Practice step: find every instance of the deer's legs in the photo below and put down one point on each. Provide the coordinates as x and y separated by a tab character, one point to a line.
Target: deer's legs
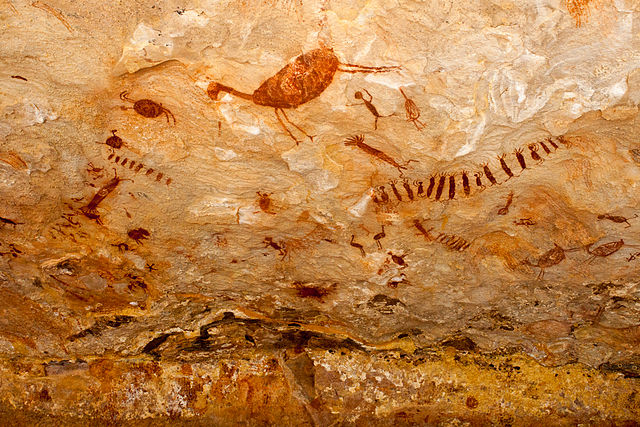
293	124
285	127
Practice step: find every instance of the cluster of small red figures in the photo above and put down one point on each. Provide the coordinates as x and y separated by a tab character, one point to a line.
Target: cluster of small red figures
115	142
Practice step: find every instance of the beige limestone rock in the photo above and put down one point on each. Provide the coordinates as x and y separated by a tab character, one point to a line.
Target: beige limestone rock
225	268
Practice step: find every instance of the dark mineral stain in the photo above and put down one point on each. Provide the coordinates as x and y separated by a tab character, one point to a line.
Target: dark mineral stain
66	267
57	367
297	340
459	343
630	369
303	370
100	325
154	344
472	402
44	395
384	304
118	320
307	291
227	318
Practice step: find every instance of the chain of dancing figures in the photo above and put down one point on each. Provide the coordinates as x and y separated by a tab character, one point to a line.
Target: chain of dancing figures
444	186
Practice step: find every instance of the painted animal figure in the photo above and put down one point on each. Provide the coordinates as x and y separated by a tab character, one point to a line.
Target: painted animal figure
138	234
114	141
357	245
264	201
604	250
617	218
300	81
147	108
379	236
550	258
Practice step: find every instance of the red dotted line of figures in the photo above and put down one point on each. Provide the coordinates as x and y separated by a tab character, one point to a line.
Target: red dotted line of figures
445	185
116	142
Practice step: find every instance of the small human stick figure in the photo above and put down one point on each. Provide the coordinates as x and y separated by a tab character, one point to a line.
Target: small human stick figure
443	178
147	108
533	148
383	194
357	245
407	188
452	186
633	256
479	183
392	183
617	219
95	172
413	112
432	183
369	105
505	209
380	235
420	190
417	224
505	167
520	157
465	183
264	202
550	258
603	250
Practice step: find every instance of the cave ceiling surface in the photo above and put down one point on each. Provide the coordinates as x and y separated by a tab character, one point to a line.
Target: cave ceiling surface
186	181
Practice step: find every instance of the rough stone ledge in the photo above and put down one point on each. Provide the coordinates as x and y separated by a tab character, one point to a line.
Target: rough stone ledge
313	386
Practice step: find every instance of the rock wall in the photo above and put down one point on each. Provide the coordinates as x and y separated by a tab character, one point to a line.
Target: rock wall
319	212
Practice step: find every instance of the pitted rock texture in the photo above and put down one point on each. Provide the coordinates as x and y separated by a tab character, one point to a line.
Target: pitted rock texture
319	212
